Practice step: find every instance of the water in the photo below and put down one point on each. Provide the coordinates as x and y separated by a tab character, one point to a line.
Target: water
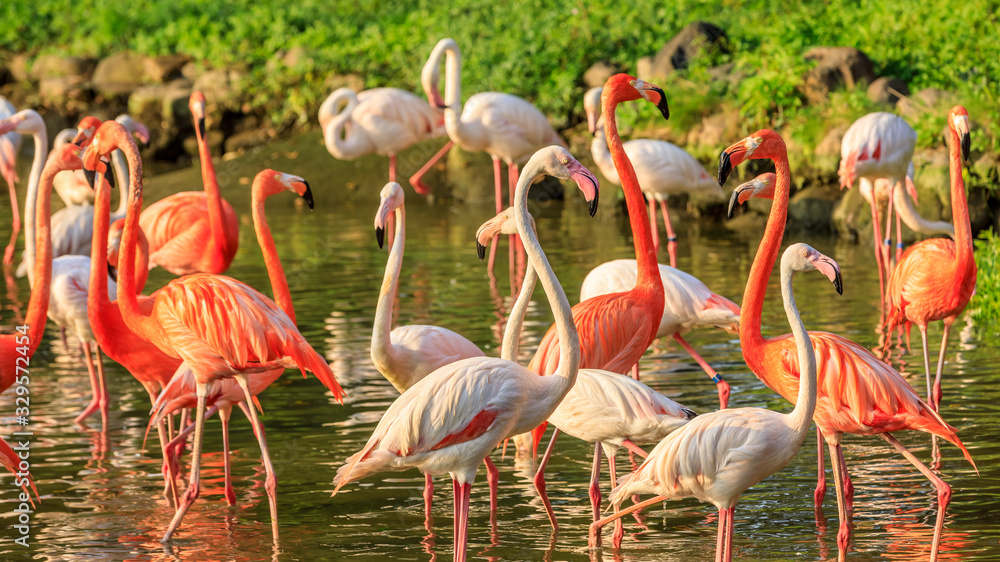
102	495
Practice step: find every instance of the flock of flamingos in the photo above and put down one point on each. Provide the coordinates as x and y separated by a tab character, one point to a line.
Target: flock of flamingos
208	342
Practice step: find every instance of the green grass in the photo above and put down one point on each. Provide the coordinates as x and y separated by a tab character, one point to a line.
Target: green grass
985	305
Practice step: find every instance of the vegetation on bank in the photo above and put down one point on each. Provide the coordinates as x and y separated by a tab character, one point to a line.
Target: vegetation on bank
985	304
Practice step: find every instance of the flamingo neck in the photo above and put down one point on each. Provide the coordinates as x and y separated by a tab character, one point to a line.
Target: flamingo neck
342	139
275	272
959	205
382	352
805	404
908	213
121	173
602	157
34	178
515	319
97	294
208	179
751	339
128	302
41	270
470	135
569	341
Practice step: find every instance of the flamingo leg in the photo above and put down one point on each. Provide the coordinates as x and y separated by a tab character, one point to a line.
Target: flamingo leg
619	533
848	484
193	485
270	481
95	390
493	479
722	385
820	491
940	366
415	179
595	483
927	364
844	533
594	536
887	241
632	447
720	539
428	497
463	493
104	401
943	491
652	226
8	253
730	517
878	256
499	199
179	440
513	240
671	236
899	237
540	481
392	167
169	489
224	414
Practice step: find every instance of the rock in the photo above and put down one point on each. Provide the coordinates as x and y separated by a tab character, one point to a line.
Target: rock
17	65
164	68
693	41
295	57
119	74
830	145
988	166
715	130
926	100
163	108
727	73
598	74
644	68
221	87
812	209
852	216
57	66
5	75
887	90
249	139
192	71
60	89
836	67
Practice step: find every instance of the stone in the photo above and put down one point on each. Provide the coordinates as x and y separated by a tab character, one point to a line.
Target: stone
60	89
727	73
295	57
17	65
694	40
988	166
887	90
221	87
119	74
163	108
715	130
811	209
836	67
598	74
249	139
164	68
192	71
830	145
57	66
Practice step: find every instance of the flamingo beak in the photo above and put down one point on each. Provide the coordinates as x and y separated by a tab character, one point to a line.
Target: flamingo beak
113	272
730	158
962	128
486	232
381	219
91	178
654	95
587	182
306	193
736	199
828	267
591	122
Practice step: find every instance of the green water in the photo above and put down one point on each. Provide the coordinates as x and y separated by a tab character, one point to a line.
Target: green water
101	495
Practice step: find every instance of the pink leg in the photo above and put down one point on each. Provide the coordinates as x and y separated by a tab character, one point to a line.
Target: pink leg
499	199
493	479
848	485
415	179
899	238
428	495
194	484
271	480
671	237
878	257
927	365
169	489
392	167
940	366
943	490
104	401
720	539
594	535
722	385
95	387
224	414
844	533
632	447
635	371
540	481
619	533
177	443
652	226
730	517
887	241
8	253
463	493
820	491
595	483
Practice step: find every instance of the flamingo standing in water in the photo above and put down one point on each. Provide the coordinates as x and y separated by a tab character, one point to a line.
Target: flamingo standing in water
450	420
193	231
603	408
26	121
935	279
385	121
663	169
717	456
858	393
10	144
220	327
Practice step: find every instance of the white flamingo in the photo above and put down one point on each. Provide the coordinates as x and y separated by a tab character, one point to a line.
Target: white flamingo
10	144
449	421
717	456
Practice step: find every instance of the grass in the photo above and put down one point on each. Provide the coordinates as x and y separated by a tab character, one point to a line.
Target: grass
985	304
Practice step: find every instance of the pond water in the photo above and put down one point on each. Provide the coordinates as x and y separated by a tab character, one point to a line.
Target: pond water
101	494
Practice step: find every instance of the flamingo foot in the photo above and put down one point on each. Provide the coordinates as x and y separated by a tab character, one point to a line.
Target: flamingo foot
937	396
539	481
428	495
93	406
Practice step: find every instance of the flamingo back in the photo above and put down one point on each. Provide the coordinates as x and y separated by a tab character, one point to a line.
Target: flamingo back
395	119
68	295
664	168
514	127
424	349
177	229
879	144
922	287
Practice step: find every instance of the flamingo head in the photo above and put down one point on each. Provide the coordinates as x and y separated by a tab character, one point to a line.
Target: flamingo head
141	255
271	182
63	158
390	199
803	257
622	87
761	187
26	121
503	223
137	128
109	136
592	106
764	144
560	164
196	103
85	130
958	121
430	74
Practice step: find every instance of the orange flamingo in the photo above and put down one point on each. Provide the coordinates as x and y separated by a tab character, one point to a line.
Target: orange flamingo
858	393
193	231
935	279
220	327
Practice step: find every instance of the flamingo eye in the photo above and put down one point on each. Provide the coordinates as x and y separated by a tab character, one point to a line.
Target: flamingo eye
565	160
631	83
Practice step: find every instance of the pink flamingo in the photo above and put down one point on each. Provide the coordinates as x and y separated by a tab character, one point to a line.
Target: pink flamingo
935	279
663	169
10	143
73	187
26	121
717	456
603	408
858	393
220	327
193	231
450	420
385	121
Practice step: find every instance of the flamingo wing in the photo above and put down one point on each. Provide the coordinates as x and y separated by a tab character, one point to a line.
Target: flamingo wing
664	168
431	347
921	286
396	119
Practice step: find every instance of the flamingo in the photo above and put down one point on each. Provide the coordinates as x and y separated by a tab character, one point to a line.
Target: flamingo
220	327
385	121
858	393
603	408
193	231
10	143
663	169
73	188
717	456
450	420
73	226
935	279
26	121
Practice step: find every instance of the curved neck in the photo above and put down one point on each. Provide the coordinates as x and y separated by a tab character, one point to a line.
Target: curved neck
569	341
959	203
41	269
645	255
908	213
805	403
751	339
341	140
382	353
97	293
34	178
515	320
128	302
121	177
275	272
215	218
602	157
469	135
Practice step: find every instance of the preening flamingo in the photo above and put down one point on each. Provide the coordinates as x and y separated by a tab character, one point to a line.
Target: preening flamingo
662	168
603	408
193	231
450	420
858	393
220	327
73	187
10	144
935	279
717	456
385	121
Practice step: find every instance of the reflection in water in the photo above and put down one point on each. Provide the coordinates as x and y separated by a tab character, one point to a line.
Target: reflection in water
102	495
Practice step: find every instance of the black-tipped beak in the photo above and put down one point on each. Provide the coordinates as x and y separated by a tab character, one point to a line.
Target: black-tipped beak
308	196
200	126
966	145
380	235
440	106
592	204
91	176
734	202
838	283
113	272
480	251
111	178
725	168
662	104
